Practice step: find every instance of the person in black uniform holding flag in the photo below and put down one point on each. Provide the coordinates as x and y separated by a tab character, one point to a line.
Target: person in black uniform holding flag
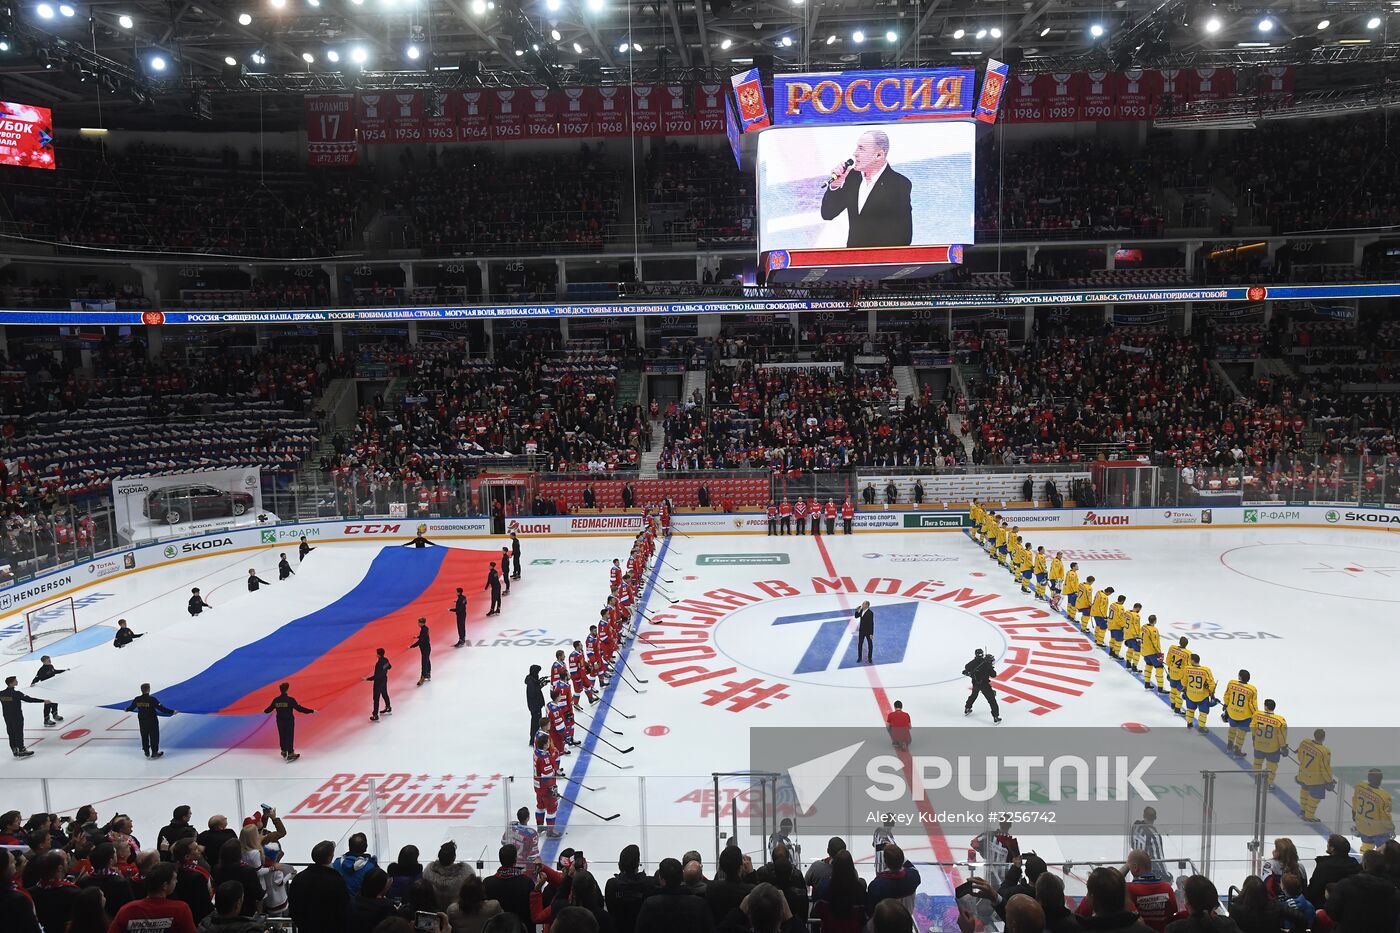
255	581
380	679
493	583
284	569
534	699
148	711
505	568
10	705
424	645
459	609
515	556
197	603
303	549
286	709
981	671
47	670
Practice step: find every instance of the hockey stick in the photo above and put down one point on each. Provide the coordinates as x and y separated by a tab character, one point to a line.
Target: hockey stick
622	751
595	721
635	688
605	819
613	763
627	667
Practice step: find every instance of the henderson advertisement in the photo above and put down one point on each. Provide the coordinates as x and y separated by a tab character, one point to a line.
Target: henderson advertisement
26	593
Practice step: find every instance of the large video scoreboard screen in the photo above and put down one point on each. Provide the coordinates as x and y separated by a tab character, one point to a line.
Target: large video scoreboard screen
26	136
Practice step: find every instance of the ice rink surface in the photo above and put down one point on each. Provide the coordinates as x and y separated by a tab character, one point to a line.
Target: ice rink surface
739	631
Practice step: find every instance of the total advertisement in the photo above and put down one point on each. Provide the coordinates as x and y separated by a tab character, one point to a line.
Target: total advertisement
151	507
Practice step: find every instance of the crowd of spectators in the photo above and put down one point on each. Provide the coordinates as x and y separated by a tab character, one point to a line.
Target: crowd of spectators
84	875
801	419
474	200
698	193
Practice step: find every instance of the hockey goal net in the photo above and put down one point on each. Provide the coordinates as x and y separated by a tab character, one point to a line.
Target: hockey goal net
45	625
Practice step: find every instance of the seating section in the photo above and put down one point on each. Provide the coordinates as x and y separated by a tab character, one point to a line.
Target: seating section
568	495
961	488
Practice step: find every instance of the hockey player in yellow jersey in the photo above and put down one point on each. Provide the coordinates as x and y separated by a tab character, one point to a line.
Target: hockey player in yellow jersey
1270	733
1086	600
1241	702
1057	580
1177	659
1314	774
1200	693
1071	589
1041	570
1152	655
1024	562
1099	611
1370	809
1132	636
1002	537
1117	626
974	520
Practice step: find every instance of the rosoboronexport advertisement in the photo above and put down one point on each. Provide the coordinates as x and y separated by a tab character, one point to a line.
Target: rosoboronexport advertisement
886	185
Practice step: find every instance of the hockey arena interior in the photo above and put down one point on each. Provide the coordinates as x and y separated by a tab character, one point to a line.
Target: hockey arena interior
755	466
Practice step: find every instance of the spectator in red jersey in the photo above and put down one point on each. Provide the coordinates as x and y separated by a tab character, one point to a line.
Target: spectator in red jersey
1152	898
157	912
897	723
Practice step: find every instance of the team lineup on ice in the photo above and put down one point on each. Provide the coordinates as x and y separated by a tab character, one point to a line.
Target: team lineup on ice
726	633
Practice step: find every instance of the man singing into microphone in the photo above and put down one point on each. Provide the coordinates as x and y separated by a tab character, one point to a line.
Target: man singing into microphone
878	202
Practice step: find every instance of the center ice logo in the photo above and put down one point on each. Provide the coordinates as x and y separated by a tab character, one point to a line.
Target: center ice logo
813	638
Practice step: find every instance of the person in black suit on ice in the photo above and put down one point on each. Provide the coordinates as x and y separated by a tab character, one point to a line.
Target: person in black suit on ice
876	196
865	632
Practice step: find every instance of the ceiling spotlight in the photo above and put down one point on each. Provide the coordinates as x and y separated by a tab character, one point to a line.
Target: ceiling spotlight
1045	32
358	55
959	33
4	46
157	63
636	46
124	21
996	33
787	42
1266	25
308	58
555	35
796	2
1373	23
621	47
981	33
413	52
891	36
1213	25
259	58
332	56
44	10
578	49
596	5
534	46
245	19
230	61
1096	31
65	9
279	4
857	37
1323	24
830	40
479	7
519	52
552	5
313	2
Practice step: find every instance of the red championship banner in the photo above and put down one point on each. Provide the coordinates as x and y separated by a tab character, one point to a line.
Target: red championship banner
1023	105
405	117
610	112
372	118
474	115
330	130
646	109
1276	79
677	110
576	106
1096	96
1212	83
1176	89
440	123
542	113
709	109
1060	93
1134	93
508	122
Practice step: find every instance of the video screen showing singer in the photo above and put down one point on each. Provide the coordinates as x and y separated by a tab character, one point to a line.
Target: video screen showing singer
876	201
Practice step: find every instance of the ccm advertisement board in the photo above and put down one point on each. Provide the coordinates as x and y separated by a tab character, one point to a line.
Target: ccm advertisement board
840	187
153	507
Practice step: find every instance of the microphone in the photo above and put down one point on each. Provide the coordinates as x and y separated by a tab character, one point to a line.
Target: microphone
836	174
